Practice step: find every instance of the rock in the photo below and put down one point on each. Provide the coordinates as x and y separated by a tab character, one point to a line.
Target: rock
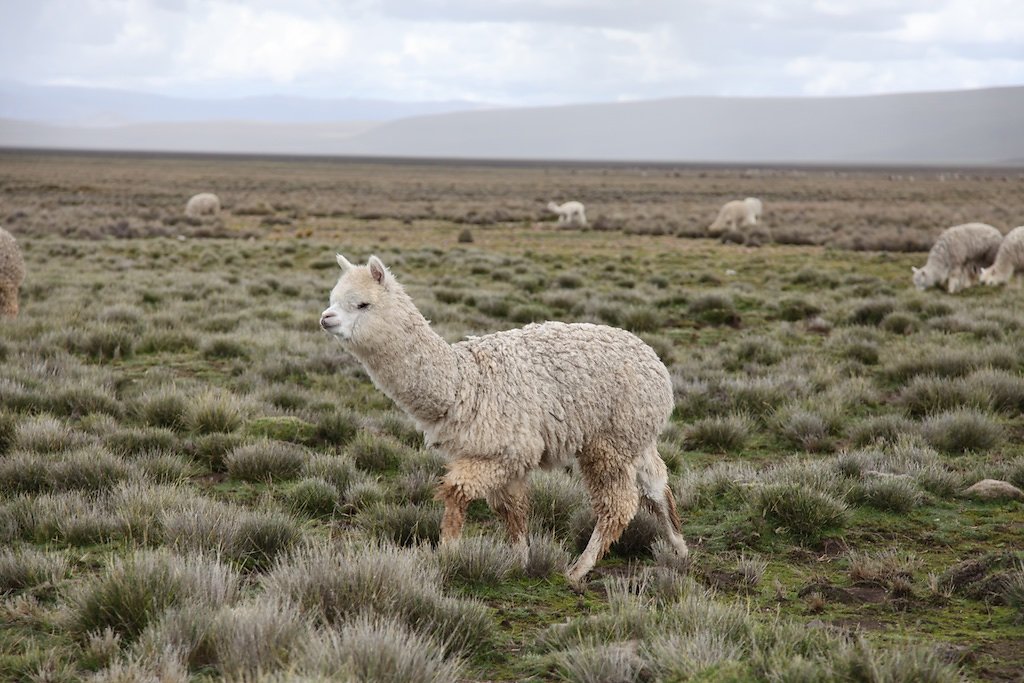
993	489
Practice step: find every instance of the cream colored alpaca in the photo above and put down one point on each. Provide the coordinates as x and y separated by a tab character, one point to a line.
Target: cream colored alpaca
569	213
202	204
957	257
507	403
12	274
735	213
1009	259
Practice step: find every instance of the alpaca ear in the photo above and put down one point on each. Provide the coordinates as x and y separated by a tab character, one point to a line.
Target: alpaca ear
377	269
343	262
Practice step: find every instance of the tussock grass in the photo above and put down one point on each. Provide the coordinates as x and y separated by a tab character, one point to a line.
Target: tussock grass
135	590
962	431
894	493
547	556
336	584
266	460
478	560
26	567
805	513
214	411
405	525
375	453
314	497
719	434
554	499
378	649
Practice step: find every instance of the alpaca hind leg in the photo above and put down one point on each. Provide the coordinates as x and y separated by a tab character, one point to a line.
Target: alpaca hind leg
511	503
652	478
613	494
466	480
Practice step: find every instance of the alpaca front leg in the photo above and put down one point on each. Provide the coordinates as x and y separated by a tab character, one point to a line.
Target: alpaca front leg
455	506
512	504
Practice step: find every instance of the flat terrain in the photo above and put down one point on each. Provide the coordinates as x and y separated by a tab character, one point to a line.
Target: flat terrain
196	481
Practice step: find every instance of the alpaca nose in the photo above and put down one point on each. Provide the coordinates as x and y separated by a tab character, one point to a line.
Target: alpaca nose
328	319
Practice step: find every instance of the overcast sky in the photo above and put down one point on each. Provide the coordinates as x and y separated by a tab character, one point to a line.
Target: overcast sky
515	52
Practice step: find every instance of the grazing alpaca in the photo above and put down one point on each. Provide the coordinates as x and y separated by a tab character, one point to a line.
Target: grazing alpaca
12	274
1009	259
507	403
735	213
957	257
202	204
570	212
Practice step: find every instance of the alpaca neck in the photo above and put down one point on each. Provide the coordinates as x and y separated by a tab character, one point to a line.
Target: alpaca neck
416	368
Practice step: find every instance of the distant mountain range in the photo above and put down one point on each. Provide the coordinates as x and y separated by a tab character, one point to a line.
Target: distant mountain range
973	127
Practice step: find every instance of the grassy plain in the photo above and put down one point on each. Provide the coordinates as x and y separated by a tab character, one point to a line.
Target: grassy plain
195	481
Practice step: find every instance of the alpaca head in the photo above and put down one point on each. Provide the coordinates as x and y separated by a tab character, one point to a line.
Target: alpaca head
553	207
988	276
368	305
923	278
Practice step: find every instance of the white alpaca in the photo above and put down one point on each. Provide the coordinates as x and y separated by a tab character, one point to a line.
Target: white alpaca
957	257
507	403
569	213
735	213
1009	259
12	274
202	204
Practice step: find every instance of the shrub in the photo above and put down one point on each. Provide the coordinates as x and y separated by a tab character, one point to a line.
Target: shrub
805	513
336	584
477	559
962	431
794	309
374	453
379	649
899	323
27	568
164	407
714	309
135	590
554	498
402	524
336	428
871	312
719	434
887	428
465	236
214	412
547	556
266	460
898	494
313	497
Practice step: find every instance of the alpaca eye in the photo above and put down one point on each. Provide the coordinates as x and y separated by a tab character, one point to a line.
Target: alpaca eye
362	305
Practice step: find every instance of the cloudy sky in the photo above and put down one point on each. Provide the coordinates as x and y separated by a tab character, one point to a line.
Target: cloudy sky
514	52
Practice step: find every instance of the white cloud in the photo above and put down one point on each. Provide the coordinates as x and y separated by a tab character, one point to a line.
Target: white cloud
235	41
515	51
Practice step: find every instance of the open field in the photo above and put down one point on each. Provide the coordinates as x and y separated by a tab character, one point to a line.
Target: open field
196	481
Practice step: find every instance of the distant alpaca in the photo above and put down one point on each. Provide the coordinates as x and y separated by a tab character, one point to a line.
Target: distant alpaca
1009	259
507	403
569	213
735	213
12	274
957	257
202	204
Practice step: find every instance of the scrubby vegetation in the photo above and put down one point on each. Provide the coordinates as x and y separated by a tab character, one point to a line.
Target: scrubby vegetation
194	481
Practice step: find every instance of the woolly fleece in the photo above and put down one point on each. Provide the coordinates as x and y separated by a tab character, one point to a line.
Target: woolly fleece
506	403
957	257
1009	259
202	204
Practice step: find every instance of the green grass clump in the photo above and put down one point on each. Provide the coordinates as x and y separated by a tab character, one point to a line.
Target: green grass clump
478	560
166	407
871	312
266	460
214	412
899	494
962	431
135	590
313	497
27	567
376	453
403	525
726	434
805	513
714	309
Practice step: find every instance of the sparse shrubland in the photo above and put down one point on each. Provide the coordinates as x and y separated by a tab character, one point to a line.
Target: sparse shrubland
195	482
